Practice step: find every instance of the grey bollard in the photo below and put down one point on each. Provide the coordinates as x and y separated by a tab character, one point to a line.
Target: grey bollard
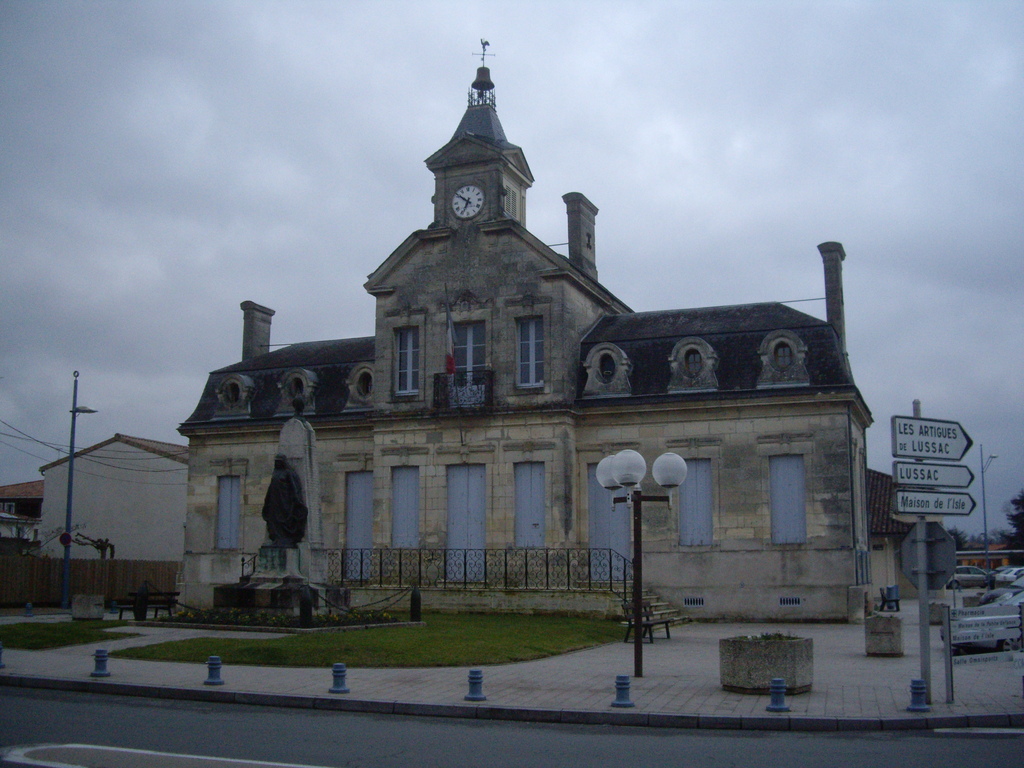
622	692
2	665
476	686
918	697
100	670
28	609
340	672
213	677
777	689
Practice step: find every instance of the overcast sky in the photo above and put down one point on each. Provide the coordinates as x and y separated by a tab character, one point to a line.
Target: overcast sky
161	162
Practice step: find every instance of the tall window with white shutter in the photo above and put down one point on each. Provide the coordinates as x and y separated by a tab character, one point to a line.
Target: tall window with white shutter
405	507
696	513
229	511
788	499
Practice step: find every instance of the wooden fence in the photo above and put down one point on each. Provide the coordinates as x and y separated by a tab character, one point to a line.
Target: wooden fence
38	580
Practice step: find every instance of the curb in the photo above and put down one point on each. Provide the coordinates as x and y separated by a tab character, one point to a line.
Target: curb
525	714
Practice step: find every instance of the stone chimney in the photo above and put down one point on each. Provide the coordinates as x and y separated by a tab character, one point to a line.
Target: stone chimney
832	254
255	329
582	213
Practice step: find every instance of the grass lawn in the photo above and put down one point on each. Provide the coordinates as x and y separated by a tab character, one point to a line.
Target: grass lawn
37	636
447	640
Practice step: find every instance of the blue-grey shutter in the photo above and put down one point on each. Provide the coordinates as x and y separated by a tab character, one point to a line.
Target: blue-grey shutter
788	500
358	523
467	509
696	521
529	480
608	529
229	511
405	506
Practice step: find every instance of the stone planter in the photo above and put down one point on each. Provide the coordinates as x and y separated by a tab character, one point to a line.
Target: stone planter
748	664
87	607
883	635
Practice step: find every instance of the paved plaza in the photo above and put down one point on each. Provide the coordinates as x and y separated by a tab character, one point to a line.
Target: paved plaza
680	686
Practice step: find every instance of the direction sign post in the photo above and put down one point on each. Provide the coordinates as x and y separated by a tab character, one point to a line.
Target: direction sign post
915	438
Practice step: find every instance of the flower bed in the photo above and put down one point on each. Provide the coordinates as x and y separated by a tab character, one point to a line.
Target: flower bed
240	617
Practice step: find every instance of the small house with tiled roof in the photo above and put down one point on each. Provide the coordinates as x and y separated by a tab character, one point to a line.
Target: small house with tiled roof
128	500
457	446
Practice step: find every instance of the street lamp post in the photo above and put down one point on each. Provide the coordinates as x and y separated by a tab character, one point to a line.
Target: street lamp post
984	510
627	469
65	539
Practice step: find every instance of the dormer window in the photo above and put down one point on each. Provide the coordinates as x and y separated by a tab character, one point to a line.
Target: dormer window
783	356
606	367
782	360
234	395
608	370
297	384
360	387
693	362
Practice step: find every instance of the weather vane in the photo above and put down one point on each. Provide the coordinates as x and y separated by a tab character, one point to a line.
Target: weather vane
484	54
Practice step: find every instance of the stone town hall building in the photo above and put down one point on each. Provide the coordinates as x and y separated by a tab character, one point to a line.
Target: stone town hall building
492	467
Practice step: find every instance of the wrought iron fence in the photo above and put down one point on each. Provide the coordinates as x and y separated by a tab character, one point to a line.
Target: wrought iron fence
506	569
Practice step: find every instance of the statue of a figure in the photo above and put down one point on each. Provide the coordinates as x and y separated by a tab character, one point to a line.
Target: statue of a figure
284	508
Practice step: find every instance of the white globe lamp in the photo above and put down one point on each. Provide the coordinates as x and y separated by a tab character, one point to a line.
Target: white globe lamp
630	468
669	470
606	473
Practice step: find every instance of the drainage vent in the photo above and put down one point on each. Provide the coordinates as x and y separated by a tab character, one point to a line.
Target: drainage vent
789	602
693	602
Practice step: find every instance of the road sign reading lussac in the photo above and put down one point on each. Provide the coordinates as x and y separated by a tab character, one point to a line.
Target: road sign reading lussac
914	438
925	474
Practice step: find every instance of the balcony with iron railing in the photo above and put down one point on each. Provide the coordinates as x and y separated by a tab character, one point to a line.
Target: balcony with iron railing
464	389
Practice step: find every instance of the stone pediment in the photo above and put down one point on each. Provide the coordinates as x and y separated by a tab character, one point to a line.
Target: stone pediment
465	150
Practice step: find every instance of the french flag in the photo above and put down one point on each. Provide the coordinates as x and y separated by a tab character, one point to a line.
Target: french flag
449	354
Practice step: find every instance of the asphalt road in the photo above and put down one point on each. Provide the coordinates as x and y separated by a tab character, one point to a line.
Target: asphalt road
315	738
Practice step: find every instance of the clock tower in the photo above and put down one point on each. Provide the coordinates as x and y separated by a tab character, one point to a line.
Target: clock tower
479	176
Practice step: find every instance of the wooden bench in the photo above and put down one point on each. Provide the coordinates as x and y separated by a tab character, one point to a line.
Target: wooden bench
650	620
158	601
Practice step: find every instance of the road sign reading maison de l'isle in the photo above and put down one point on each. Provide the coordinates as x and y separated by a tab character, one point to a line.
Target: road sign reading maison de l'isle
936	439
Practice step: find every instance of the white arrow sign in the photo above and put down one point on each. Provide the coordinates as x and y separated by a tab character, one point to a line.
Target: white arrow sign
928	475
914	438
933	503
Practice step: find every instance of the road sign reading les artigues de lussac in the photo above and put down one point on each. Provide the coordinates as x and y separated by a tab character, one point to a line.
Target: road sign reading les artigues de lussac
915	438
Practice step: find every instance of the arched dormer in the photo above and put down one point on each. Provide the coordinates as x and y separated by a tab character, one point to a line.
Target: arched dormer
782	360
693	362
234	394
360	387
608	370
298	384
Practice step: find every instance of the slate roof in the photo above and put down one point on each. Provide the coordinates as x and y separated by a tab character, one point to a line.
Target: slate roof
483	123
331	361
735	333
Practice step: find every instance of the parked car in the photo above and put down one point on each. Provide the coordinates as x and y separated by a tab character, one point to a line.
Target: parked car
968	576
1009	575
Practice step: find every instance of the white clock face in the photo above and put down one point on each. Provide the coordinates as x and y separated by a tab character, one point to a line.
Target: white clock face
468	201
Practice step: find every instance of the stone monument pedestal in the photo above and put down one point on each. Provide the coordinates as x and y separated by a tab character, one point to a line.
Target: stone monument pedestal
276	586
